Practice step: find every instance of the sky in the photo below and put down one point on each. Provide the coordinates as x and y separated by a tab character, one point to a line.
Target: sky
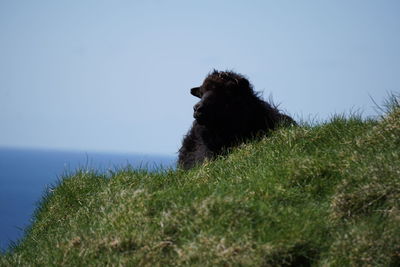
114	76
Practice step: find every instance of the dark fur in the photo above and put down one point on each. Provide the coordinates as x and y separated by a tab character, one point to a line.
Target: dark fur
229	113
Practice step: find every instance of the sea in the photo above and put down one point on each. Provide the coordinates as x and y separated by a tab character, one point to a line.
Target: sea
26	174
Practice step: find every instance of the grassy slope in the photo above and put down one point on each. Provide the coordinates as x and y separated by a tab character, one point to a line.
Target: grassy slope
327	195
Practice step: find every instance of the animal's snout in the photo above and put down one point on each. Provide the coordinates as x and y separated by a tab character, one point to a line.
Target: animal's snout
198	113
198	107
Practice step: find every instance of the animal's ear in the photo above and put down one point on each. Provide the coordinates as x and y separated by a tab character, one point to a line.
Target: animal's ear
195	91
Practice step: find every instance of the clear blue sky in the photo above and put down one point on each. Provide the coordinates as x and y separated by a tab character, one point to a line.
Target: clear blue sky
115	75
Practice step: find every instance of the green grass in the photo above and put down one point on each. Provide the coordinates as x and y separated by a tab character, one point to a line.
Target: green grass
325	195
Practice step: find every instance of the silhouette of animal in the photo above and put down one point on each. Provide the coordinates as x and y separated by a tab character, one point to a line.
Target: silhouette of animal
229	113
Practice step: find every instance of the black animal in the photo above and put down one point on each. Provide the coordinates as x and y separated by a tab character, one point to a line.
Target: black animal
229	113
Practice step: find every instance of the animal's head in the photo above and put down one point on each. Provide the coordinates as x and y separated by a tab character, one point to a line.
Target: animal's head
222	97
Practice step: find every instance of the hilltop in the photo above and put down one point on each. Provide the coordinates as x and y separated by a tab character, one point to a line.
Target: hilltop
324	195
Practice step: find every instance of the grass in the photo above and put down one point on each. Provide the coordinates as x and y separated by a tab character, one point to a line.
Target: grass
324	195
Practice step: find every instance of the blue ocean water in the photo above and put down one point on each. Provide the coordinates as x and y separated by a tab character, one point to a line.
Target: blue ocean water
25	175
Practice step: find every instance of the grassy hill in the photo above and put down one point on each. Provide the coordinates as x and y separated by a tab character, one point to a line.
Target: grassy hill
325	195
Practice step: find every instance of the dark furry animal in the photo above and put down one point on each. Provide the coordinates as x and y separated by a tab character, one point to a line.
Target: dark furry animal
229	113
